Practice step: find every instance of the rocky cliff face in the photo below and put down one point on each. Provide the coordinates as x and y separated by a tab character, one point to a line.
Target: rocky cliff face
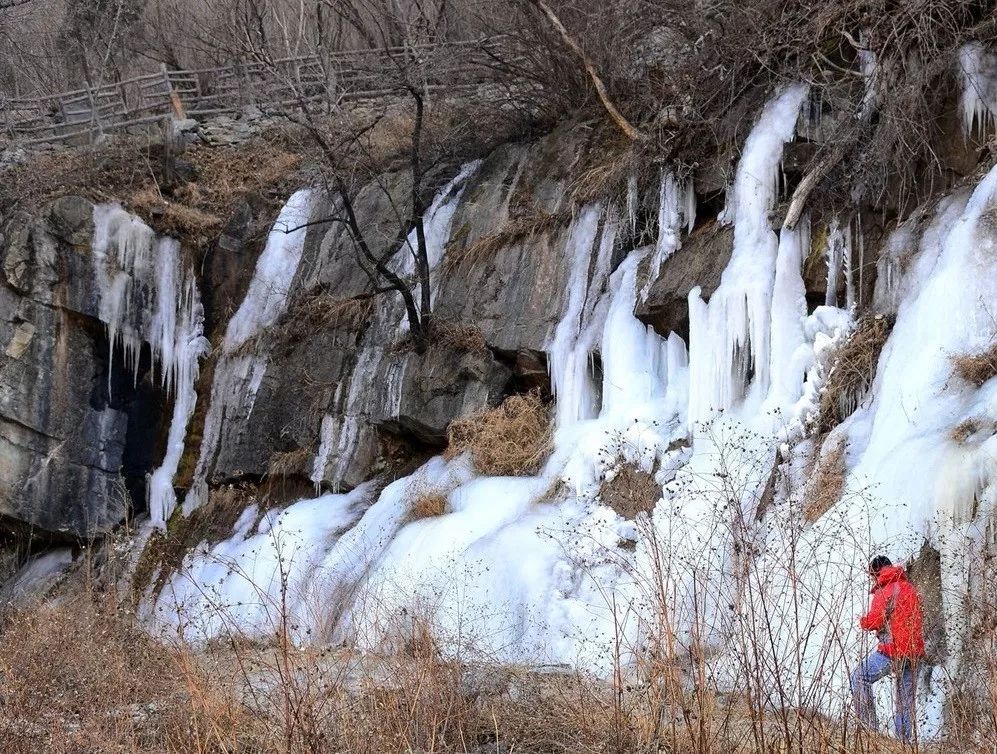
65	421
679	346
330	393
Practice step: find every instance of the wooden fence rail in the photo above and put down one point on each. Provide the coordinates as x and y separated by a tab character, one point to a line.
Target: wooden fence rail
320	81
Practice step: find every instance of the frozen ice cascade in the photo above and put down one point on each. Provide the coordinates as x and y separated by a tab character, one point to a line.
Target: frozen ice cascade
540	569
147	295
240	368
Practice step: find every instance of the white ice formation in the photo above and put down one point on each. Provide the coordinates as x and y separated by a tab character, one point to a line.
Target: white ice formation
540	569
148	296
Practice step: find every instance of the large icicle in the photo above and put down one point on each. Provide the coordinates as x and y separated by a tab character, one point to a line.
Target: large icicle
789	343
570	351
147	295
676	207
729	348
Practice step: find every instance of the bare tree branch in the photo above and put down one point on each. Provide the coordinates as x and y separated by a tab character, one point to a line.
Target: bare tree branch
624	125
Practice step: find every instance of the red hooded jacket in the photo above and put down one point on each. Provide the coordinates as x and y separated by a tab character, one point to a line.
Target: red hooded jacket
895	614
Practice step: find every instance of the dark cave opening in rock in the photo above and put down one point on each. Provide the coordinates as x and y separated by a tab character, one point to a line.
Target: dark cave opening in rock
135	391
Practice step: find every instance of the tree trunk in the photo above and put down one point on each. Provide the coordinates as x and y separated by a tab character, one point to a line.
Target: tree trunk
418	219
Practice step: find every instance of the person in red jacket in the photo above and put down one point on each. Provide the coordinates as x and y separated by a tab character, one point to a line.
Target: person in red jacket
895	615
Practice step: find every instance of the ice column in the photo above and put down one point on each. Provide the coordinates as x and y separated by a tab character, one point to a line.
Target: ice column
729	337
570	348
787	364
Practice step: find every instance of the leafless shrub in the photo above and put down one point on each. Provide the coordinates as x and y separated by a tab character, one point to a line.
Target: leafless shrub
509	440
630	490
852	371
976	368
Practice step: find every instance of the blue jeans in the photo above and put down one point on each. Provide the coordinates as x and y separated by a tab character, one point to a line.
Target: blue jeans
876	667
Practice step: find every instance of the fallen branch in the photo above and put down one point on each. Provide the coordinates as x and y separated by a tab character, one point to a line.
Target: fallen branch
809	182
632	133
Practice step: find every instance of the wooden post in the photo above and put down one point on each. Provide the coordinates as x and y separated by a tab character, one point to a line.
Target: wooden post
175	104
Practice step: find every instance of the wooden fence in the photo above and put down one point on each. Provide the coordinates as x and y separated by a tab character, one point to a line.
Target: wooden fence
322	82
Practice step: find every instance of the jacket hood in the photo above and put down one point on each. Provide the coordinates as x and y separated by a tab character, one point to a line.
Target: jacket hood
889	575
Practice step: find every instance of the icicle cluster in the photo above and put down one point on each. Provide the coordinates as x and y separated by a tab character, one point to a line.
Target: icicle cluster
978	69
148	296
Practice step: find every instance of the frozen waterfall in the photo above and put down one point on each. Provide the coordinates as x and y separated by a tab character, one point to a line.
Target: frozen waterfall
540	569
149	295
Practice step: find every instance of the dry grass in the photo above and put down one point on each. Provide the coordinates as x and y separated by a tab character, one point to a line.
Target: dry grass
976	368
826	483
965	429
450	335
131	167
225	174
81	676
172	218
519	228
630	490
427	505
461	337
608	163
852	372
289	463
510	440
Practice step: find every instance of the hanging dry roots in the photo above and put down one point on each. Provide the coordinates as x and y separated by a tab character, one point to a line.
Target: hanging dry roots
853	371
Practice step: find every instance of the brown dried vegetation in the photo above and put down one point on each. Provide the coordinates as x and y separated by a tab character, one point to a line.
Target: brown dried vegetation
826	483
852	371
965	429
172	218
81	675
427	505
976	368
289	462
630	491
510	440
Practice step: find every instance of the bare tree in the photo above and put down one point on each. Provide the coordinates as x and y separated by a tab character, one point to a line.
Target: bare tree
411	63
